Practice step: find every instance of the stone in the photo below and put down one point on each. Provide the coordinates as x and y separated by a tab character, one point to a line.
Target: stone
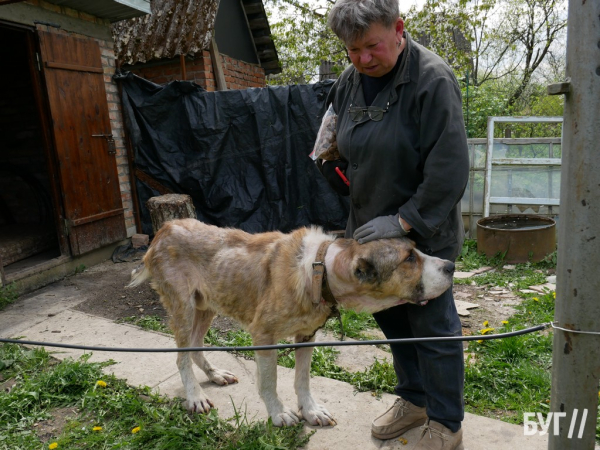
139	240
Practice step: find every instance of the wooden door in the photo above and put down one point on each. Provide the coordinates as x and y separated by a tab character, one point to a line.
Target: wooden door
85	151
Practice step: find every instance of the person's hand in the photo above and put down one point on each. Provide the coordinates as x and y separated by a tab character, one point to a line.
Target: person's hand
380	228
333	178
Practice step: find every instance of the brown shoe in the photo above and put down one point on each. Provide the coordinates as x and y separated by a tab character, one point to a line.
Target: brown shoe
436	436
401	417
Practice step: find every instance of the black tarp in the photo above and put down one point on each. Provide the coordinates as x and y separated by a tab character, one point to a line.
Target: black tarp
242	155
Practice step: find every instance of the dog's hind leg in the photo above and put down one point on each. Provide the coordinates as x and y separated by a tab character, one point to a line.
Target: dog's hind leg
313	413
202	321
181	322
266	361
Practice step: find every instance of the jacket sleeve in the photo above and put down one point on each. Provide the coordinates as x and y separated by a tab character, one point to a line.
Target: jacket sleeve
444	155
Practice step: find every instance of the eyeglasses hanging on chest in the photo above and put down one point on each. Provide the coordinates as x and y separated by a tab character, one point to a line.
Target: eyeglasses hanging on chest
375	113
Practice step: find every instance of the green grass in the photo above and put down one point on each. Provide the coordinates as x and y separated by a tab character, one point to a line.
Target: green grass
512	375
153	323
356	324
513	276
8	295
42	385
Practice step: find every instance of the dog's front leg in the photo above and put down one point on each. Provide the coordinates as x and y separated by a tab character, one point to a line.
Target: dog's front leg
266	361
313	413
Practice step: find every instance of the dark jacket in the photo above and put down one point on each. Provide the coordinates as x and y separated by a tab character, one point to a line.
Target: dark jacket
415	160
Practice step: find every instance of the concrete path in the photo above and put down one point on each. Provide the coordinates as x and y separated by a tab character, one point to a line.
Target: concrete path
47	315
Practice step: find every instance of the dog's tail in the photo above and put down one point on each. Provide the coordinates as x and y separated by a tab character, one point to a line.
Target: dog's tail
139	275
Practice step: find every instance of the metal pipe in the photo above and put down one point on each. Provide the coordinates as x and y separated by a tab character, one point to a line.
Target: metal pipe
576	357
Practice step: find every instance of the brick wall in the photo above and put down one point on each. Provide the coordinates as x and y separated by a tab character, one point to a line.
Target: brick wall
238	74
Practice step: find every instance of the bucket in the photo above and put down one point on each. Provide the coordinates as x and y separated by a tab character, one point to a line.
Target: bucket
521	237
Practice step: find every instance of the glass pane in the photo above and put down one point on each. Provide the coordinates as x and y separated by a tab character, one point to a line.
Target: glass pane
530	182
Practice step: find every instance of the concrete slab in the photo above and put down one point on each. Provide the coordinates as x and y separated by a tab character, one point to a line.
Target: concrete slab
463	307
355	358
353	411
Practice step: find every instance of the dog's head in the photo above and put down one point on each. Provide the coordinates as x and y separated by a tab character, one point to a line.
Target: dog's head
387	272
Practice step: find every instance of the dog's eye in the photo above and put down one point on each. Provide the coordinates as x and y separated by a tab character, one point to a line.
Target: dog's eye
411	257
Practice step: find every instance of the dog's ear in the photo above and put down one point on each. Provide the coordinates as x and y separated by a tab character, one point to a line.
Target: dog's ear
365	271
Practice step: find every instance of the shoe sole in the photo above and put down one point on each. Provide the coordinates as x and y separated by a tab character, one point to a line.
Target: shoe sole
400	432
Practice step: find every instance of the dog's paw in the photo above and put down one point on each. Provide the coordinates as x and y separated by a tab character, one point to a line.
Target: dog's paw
222	377
285	418
200	405
317	415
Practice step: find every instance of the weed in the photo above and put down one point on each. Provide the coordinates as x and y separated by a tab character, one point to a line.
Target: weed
114	415
8	294
153	323
354	323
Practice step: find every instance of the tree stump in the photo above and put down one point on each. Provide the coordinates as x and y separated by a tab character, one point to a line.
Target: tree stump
170	207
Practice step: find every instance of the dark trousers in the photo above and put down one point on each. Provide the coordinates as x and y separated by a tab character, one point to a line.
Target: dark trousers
429	374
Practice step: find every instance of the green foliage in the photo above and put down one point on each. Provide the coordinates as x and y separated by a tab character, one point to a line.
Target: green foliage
117	409
303	40
152	323
513	374
8	294
355	324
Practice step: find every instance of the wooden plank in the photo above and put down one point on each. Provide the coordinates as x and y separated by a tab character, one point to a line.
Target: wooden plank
217	64
182	65
75	67
95	217
147	179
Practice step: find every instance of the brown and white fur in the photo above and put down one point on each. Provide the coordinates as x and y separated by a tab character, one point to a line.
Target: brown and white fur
263	281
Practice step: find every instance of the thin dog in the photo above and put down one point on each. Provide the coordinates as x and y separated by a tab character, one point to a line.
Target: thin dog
265	282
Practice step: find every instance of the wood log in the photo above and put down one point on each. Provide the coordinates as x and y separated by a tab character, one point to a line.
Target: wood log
170	207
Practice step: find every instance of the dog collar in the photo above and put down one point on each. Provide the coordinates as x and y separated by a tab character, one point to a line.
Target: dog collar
320	286
321	293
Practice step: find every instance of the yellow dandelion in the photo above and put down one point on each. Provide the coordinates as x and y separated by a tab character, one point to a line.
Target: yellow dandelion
505	322
486	330
53	445
101	383
136	429
486	323
554	295
403	441
480	341
97	429
535	299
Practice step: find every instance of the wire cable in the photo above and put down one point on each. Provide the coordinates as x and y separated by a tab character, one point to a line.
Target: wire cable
283	346
597	333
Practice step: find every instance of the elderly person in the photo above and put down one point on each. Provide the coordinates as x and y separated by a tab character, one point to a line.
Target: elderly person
402	142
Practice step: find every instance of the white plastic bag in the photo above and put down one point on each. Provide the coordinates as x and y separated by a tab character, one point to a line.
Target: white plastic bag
326	143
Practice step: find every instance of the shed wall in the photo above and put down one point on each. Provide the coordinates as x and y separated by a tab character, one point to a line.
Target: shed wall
238	74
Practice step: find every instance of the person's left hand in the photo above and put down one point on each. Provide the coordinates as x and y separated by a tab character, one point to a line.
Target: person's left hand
380	228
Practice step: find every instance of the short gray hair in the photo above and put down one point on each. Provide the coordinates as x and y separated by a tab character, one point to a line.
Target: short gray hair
350	19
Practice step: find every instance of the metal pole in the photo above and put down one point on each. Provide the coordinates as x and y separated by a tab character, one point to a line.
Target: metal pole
576	357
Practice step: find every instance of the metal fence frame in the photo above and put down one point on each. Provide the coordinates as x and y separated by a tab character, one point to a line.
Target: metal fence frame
490	162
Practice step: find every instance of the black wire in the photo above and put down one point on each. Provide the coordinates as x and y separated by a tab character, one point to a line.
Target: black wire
282	346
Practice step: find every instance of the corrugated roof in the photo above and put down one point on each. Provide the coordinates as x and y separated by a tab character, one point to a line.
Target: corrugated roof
174	27
186	27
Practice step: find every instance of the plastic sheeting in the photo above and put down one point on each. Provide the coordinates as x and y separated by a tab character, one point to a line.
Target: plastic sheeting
242	155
